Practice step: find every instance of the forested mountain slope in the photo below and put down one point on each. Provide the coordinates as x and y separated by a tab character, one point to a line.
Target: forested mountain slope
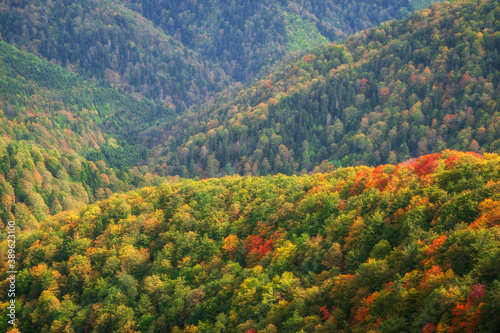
105	40
50	119
53	106
64	137
401	90
413	247
189	51
245	36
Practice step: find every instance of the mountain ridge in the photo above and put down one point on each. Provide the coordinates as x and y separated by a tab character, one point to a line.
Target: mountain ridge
345	100
111	235
178	63
317	253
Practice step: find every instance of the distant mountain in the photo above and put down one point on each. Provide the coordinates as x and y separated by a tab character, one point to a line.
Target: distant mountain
106	41
245	36
401	90
399	248
180	52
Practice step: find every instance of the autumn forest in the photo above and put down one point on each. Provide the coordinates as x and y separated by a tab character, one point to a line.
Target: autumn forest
249	166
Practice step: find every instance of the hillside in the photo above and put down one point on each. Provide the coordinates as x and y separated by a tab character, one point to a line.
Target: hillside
106	41
412	247
51	119
64	137
43	102
245	37
353	188
404	89
181	52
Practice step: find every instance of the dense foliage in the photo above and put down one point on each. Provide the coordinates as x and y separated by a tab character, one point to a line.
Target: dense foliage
50	117
401	90
413	247
245	36
58	109
37	182
105	40
188	51
408	247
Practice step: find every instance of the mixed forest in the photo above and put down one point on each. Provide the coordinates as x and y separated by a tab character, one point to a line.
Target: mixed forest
398	91
251	166
51	122
413	247
182	52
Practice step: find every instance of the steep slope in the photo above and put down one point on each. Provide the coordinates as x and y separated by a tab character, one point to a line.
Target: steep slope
412	247
401	90
105	40
50	118
188	51
53	106
243	37
36	182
